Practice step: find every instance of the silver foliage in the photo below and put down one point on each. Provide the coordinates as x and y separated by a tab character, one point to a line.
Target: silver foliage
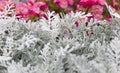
56	45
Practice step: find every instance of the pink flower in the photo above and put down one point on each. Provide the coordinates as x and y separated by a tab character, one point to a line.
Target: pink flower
69	10
63	4
97	7
70	2
2	4
43	6
88	3
21	8
47	0
108	18
118	8
78	8
25	16
76	23
37	0
101	2
35	8
97	11
30	3
97	15
112	3
39	4
22	16
56	1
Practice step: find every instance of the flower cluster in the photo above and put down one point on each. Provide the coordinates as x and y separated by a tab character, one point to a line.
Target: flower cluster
95	5
31	10
34	9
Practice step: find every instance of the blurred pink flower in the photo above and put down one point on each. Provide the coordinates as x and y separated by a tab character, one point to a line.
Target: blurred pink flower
29	3
22	16
43	6
63	4
21	8
47	0
78	8
108	18
70	2
97	7
25	16
56	1
35	9
88	3
76	23
97	15
2	4
118	8
69	10
37	0
101	2
112	3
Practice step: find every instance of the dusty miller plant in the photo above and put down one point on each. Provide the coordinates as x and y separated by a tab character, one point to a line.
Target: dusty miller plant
56	45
